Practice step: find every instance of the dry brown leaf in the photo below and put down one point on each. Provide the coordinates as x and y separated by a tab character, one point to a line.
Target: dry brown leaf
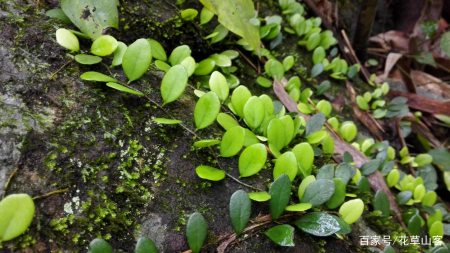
430	86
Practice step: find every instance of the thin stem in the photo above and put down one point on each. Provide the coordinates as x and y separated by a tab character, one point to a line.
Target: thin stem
9	180
242	183
50	194
61	68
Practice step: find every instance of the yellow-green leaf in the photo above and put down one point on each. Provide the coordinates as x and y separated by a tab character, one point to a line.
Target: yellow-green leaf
252	159
16	214
210	173
137	59
232	141
174	83
206	110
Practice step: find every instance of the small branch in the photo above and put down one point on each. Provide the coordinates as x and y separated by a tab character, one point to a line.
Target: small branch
59	69
50	194
244	184
9	180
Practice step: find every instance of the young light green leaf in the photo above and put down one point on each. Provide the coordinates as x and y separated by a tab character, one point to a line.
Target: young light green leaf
119	53
252	159
300	207
436	229
206	143
99	245
205	16
189	64
423	160
174	83
324	107
196	231
274	69
16	214
145	245
318	55
161	65
158	51
259	196
178	54
351	210
313	41
250	138
124	89
240	210
276	134
67	39
348	131
318	224
96	76
286	164
288	62
232	141
87	59
226	121
305	157
104	45
319	192
101	14
165	121
218	84
338	196
279	192
209	173
254	112
206	110
317	137
137	59
205	67
287	121
282	235
239	98
189	14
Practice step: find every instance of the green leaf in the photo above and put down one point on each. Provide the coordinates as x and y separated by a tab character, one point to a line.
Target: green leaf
87	59
288	123
318	224
124	89
96	76
338	196
370	167
259	196
313	41
206	143
189	14
403	197
67	39
381	202
300	207
254	112
104	45
196	231
423	160
351	210
276	134
206	110
274	69
163	66
282	235
239	98
315	123
316	70
429	199
286	164
57	13
348	131
205	16
252	159
174	83
218	84
119	53
288	62
99	245
137	59
318	192
305	157
232	141
158	51
165	121
318	55
226	121
145	245
92	17
263	82
444	43
16	214
280	192
235	16
436	229
317	137
240	210
250	138
205	67
345	172
324	107
362	103
179	54
304	184
415	224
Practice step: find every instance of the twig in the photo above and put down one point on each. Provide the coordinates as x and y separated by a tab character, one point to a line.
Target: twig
50	194
59	69
242	183
9	180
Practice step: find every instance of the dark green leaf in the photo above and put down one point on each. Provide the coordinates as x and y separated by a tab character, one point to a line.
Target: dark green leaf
338	196
345	172
318	192
326	172
345	228
282	235
415	224
404	196
137	59
315	123
240	210
370	166
280	192
316	70
381	203
145	245
99	245
318	224
196	231
92	17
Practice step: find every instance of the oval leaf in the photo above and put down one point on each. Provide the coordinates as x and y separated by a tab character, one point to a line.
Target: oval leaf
104	45
196	231
87	59
318	192
99	245
232	141
174	83
252	159
239	98
218	84
282	235
300	207
178	54
67	39
351	210
16	214
305	157
240	210
118	54
158	51
286	164
259	196
145	245
279	191
318	224
137	59
206	110
209	173
254	112
96	76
